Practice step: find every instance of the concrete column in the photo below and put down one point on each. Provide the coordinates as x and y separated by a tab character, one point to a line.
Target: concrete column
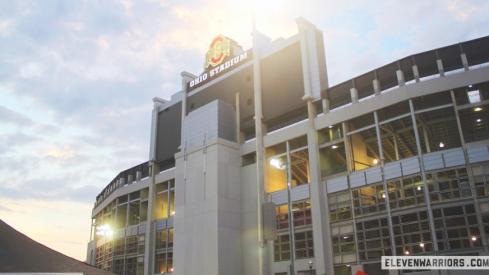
400	78
150	228
157	104
354	95
304	30
323	254
416	73
425	183
384	182
238	121
471	181
465	62
186	78
264	128
325	106
439	63
376	84
260	153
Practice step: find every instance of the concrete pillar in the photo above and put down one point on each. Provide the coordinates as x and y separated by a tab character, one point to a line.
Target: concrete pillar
304	32
416	73
157	105
423	175
258	40
208	206
325	106
354	95
439	63
323	253
400	78
465	62
376	84
149	251
186	78
238	121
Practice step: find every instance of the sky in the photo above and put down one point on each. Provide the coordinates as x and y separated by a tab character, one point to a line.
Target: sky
77	79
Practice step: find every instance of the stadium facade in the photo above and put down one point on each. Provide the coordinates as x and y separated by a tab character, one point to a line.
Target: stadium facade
392	162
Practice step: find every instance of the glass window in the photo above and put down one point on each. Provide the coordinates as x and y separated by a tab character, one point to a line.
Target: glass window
332	159
301	213
474	123
365	148
278	165
329	134
304	246
457	227
369	200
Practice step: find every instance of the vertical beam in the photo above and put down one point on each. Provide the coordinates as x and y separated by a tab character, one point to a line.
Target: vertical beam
416	73
425	183
400	78
238	121
306	71
396	148
186	78
157	103
354	95
321	230
469	171
426	140
465	62
260	154
384	182
325	106
149	240
441	70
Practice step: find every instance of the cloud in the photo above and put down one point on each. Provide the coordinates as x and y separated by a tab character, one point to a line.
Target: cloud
5	209
61	188
9	116
19	139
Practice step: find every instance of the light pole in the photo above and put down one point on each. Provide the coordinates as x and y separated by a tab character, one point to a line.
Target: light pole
310	267
279	165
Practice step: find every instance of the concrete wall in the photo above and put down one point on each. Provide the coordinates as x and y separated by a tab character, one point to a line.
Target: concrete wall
208	210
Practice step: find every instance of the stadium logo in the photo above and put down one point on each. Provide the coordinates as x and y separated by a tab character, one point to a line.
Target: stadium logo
220	48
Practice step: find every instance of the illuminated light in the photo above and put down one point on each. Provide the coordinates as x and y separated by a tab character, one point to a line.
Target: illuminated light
407	253
348	265
334	146
470	86
277	163
419	188
171	269
479	120
103	230
421	244
345	237
376	161
474	238
330	126
383	196
173	212
442	145
477	109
